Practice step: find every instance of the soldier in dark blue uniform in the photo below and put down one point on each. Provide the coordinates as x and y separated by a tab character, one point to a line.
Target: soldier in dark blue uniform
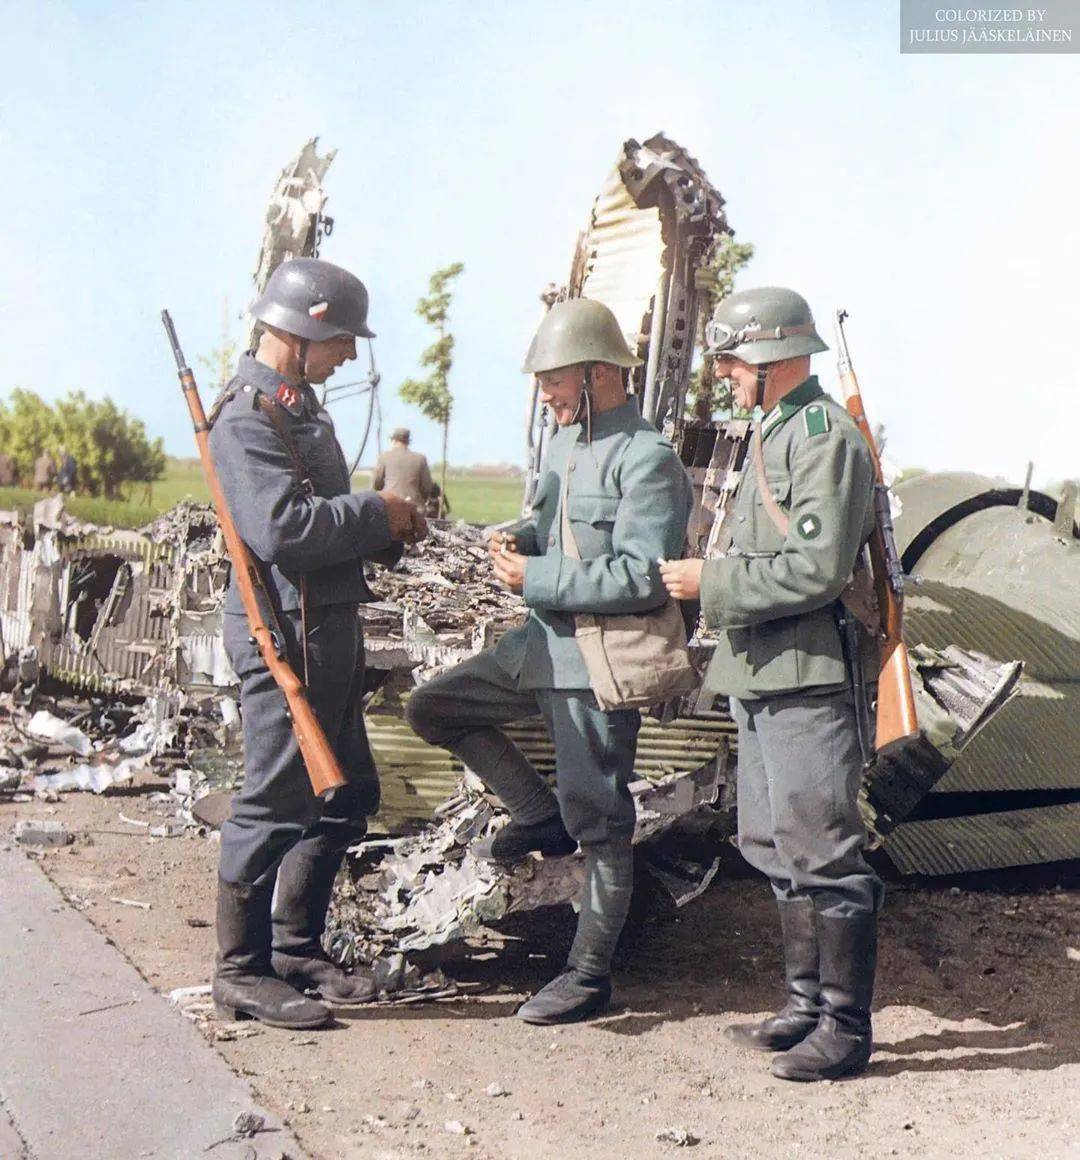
287	486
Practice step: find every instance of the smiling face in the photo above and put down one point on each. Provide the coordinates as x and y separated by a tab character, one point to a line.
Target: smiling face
560	390
323	358
743	378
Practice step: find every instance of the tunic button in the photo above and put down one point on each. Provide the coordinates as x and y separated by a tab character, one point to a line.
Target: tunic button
247	388
742	519
551	541
572	466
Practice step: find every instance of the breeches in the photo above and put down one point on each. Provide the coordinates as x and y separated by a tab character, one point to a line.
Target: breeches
462	710
276	807
798	785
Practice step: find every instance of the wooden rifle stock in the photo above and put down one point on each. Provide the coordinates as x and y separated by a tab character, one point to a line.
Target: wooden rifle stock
897	721
319	759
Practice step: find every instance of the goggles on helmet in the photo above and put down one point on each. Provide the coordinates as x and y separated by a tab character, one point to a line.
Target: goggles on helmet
720	336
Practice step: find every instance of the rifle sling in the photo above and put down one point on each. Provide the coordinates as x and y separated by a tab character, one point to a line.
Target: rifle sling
272	411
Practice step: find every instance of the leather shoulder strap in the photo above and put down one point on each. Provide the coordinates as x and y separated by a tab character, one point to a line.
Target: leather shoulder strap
569	544
775	512
270	408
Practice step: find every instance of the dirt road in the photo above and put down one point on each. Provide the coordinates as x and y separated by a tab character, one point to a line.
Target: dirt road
977	1025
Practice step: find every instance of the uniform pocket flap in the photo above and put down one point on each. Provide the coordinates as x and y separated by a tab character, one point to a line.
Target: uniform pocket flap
779	487
593	509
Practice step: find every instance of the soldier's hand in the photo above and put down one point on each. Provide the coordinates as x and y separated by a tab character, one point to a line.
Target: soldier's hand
510	569
402	515
499	543
682	578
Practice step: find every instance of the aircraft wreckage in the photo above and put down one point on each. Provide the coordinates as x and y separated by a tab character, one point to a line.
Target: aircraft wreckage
129	622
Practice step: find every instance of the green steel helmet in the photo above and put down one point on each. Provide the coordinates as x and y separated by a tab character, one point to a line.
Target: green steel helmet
764	325
579	330
315	300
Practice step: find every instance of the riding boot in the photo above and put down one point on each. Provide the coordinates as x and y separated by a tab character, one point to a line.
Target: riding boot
799	1015
842	1041
305	886
245	986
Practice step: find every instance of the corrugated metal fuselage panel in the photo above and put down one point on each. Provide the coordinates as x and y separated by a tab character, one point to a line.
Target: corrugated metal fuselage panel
987	841
938	614
416	777
1032	743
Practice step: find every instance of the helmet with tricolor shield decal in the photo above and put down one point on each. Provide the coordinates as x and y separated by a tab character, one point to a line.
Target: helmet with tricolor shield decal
315	300
764	325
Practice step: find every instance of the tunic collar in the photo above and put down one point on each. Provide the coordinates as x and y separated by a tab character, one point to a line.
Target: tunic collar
793	402
620	418
290	394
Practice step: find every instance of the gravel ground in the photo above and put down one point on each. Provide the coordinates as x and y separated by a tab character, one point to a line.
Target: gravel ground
977	1023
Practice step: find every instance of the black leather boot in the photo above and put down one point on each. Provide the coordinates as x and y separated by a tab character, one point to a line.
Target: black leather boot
568	998
841	1043
800	1014
514	841
245	986
304	888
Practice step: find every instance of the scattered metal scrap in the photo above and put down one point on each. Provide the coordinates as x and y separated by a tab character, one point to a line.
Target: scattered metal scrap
429	890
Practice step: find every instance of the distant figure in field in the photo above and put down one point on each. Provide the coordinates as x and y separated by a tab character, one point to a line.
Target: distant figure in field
404	471
44	472
7	471
67	471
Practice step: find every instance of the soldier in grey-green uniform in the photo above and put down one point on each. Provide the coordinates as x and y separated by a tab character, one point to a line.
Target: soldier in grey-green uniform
628	501
781	659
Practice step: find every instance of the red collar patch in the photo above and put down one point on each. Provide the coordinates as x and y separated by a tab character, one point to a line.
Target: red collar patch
290	398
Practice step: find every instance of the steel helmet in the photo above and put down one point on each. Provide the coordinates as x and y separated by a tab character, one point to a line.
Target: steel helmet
315	300
579	330
764	325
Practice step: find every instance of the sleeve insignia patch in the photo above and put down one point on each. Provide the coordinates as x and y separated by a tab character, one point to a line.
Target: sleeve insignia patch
809	526
816	419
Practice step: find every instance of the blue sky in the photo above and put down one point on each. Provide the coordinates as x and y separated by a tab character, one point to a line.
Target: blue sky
934	196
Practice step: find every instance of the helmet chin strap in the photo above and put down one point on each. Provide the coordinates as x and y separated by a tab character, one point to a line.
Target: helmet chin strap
759	386
585	402
301	358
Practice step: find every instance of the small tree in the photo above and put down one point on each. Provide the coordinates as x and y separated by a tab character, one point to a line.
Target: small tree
727	259
432	395
221	361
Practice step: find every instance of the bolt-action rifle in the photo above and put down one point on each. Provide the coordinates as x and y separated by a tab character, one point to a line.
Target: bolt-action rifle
319	759
896	717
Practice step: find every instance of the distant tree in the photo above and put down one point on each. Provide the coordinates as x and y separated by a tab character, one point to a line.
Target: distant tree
706	395
432	395
29	428
221	361
109	446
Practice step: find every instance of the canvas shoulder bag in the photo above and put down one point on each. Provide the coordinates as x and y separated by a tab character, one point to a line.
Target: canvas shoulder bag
633	660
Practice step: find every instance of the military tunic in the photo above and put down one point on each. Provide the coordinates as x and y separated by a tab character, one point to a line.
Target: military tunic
629	504
321	537
780	655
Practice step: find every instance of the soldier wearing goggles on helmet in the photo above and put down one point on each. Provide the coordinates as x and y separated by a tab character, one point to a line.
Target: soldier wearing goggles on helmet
801	515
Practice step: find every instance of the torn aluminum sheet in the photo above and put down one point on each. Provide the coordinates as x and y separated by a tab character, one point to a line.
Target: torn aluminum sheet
295	218
95	778
430	890
45	725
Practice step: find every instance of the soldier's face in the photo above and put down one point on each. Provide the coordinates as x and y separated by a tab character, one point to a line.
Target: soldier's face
323	358
560	390
743	378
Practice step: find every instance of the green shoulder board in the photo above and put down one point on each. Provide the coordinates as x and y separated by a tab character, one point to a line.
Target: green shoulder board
816	419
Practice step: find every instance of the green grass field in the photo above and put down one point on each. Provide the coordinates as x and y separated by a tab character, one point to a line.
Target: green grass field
474	496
